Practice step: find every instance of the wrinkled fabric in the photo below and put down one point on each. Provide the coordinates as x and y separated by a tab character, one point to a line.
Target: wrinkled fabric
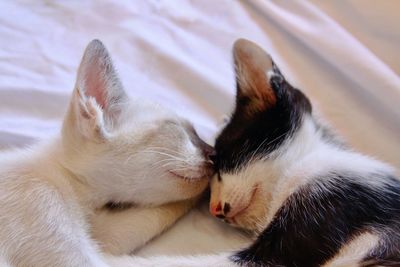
344	55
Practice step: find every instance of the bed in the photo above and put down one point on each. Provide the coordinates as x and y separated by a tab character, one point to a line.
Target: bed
344	55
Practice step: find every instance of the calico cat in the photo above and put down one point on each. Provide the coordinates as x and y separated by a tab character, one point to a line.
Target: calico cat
310	199
112	149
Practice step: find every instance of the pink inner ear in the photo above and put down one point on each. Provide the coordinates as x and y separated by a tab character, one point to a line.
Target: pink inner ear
96	85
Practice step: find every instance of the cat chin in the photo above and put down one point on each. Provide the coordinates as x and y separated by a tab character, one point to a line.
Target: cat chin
234	218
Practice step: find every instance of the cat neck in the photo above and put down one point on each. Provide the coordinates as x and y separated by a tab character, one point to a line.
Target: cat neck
48	161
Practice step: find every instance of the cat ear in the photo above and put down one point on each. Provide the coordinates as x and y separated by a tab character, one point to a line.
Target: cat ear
98	97
254	70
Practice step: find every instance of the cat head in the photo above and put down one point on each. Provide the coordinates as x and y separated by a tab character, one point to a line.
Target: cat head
269	113
128	150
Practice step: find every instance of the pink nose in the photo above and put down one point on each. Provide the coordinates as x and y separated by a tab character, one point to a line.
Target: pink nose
215	208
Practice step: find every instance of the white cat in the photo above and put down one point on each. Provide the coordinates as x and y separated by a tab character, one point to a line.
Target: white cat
111	149
310	200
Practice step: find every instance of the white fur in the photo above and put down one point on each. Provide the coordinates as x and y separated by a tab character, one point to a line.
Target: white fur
354	251
110	149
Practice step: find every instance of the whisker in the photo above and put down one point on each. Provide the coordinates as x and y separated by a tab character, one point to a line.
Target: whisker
168	149
164	160
254	154
163	153
179	169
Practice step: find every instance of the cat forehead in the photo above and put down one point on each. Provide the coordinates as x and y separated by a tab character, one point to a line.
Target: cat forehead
142	111
150	121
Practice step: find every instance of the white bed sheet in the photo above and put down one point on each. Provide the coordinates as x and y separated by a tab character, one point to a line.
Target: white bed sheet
344	55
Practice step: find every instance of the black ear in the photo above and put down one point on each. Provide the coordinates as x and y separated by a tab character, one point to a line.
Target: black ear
256	74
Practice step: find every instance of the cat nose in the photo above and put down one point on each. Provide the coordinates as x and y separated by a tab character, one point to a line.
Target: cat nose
215	208
220	209
209	152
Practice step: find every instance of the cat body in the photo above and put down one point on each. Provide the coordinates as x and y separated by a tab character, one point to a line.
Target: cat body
310	199
111	150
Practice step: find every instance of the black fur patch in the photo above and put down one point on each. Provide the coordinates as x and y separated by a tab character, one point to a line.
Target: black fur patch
320	217
249	136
